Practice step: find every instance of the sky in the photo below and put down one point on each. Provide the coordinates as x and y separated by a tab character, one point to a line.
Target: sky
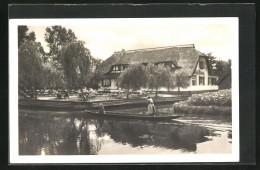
105	36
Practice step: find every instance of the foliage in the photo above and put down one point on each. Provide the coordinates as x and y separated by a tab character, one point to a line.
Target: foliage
212	61
133	77
208	103
219	98
76	61
222	68
23	35
52	78
159	76
219	67
96	75
180	79
57	37
95	79
30	65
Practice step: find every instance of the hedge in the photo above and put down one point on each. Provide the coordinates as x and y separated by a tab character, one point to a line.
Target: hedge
207	103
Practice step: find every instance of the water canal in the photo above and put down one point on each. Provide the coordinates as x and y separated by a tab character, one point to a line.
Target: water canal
49	134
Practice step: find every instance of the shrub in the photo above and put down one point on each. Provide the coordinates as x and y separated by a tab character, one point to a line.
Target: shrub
206	103
209	110
219	98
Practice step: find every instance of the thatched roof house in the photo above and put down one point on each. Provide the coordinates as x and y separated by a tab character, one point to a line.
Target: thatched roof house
182	56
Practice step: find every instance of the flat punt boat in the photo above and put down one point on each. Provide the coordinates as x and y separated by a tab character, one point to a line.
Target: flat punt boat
123	115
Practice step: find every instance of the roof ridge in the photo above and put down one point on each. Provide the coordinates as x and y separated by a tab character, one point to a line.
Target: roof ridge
155	48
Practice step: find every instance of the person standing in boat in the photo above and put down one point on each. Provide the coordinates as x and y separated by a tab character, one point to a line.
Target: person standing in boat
101	109
151	106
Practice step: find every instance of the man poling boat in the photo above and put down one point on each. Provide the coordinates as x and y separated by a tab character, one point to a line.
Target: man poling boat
151	106
101	109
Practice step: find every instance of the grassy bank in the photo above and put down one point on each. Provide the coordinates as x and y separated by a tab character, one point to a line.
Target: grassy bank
218	103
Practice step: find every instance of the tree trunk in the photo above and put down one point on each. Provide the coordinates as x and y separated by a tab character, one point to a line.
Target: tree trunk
34	89
178	89
82	93
127	95
156	91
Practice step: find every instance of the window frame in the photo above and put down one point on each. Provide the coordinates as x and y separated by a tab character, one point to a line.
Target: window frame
106	84
203	78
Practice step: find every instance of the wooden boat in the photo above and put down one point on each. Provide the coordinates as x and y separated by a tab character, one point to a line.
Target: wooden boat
124	115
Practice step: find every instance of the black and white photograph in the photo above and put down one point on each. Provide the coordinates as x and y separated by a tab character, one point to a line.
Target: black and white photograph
124	90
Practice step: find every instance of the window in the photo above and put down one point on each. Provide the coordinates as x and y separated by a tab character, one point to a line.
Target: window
125	66
194	80
116	68
201	81
106	82
212	81
201	65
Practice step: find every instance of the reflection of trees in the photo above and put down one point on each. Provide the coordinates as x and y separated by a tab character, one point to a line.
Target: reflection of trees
73	135
60	136
159	135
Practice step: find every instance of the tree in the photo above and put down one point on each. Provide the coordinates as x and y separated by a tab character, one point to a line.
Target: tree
43	54
219	67
222	68
23	35
181	79
134	77
30	65
158	76
57	37
31	36
212	61
96	75
95	79
76	62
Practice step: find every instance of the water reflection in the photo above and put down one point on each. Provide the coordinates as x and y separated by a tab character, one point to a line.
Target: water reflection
71	135
170	136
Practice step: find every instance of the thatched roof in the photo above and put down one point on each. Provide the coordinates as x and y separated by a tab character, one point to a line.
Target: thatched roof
106	65
182	56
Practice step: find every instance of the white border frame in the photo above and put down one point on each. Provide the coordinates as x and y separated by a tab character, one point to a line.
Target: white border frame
176	158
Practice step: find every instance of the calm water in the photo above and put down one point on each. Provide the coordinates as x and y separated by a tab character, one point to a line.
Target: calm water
44	134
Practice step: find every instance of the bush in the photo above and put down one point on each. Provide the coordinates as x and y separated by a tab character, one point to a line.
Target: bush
206	103
219	98
209	110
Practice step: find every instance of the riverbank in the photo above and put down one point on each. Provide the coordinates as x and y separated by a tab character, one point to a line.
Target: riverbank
218	103
31	104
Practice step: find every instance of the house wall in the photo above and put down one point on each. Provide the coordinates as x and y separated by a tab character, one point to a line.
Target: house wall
201	73
198	87
113	85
